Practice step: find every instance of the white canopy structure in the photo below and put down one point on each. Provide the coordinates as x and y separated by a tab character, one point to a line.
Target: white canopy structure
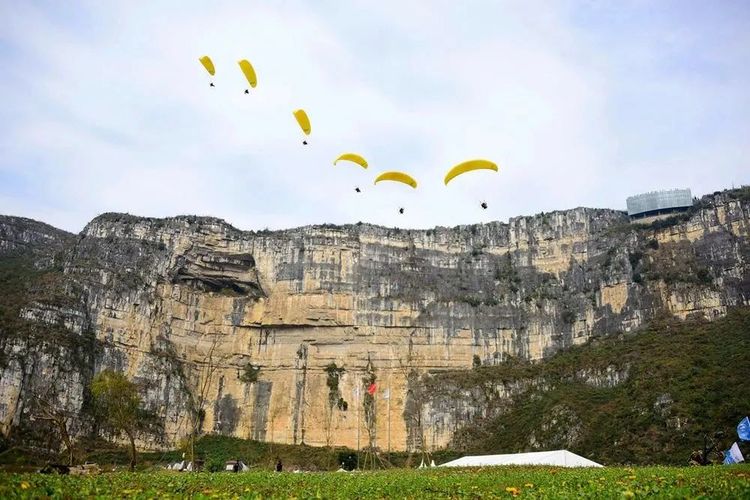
241	466
561	458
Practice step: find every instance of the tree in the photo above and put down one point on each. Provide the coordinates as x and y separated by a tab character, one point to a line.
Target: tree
198	412
118	406
415	403
45	408
335	399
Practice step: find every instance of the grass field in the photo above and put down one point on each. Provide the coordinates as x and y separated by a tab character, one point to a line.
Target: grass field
506	482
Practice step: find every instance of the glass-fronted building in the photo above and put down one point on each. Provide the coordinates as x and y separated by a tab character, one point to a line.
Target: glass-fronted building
659	203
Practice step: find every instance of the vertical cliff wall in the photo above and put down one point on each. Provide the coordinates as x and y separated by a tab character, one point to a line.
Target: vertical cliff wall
282	333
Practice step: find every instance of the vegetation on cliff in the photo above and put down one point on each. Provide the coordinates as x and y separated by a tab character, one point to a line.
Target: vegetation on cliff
638	398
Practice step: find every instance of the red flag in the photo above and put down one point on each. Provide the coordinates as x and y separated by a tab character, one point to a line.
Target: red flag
371	389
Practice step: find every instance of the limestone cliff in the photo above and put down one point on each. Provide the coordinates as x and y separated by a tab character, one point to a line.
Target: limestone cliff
277	336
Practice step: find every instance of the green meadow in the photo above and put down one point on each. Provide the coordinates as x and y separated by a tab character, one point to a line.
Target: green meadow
499	482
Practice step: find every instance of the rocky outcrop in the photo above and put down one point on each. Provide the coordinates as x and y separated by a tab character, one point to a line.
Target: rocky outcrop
35	240
246	327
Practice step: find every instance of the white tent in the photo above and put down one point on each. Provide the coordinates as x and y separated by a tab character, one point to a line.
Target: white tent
562	458
242	467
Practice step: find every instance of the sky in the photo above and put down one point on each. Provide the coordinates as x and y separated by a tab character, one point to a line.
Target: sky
105	107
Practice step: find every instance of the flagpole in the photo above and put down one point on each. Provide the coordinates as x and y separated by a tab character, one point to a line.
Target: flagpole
356	391
389	415
374	438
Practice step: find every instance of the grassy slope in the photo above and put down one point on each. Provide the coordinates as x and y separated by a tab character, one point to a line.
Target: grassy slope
703	367
216	450
22	283
16	274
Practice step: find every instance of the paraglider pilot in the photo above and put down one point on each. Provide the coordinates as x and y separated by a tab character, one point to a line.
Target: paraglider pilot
483	205
401	210
303	121
356	189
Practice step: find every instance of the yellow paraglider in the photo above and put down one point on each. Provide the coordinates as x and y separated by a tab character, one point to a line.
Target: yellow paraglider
304	122
355	158
397	177
468	166
208	64
249	72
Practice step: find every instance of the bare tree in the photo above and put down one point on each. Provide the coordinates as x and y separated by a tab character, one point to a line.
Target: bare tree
198	412
416	399
46	407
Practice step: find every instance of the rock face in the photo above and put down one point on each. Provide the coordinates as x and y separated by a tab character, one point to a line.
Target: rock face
319	335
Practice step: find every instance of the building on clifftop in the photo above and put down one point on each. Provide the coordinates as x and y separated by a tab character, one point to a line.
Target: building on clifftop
658	204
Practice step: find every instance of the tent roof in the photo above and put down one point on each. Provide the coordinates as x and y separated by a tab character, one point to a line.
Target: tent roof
562	458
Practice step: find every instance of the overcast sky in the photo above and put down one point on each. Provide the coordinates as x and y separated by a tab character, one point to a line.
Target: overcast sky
105	107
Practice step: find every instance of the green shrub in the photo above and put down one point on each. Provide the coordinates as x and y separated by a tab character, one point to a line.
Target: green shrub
215	464
569	316
250	374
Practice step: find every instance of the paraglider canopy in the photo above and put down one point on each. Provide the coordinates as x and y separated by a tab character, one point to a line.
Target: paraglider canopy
469	166
303	121
352	157
249	72
208	64
397	177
